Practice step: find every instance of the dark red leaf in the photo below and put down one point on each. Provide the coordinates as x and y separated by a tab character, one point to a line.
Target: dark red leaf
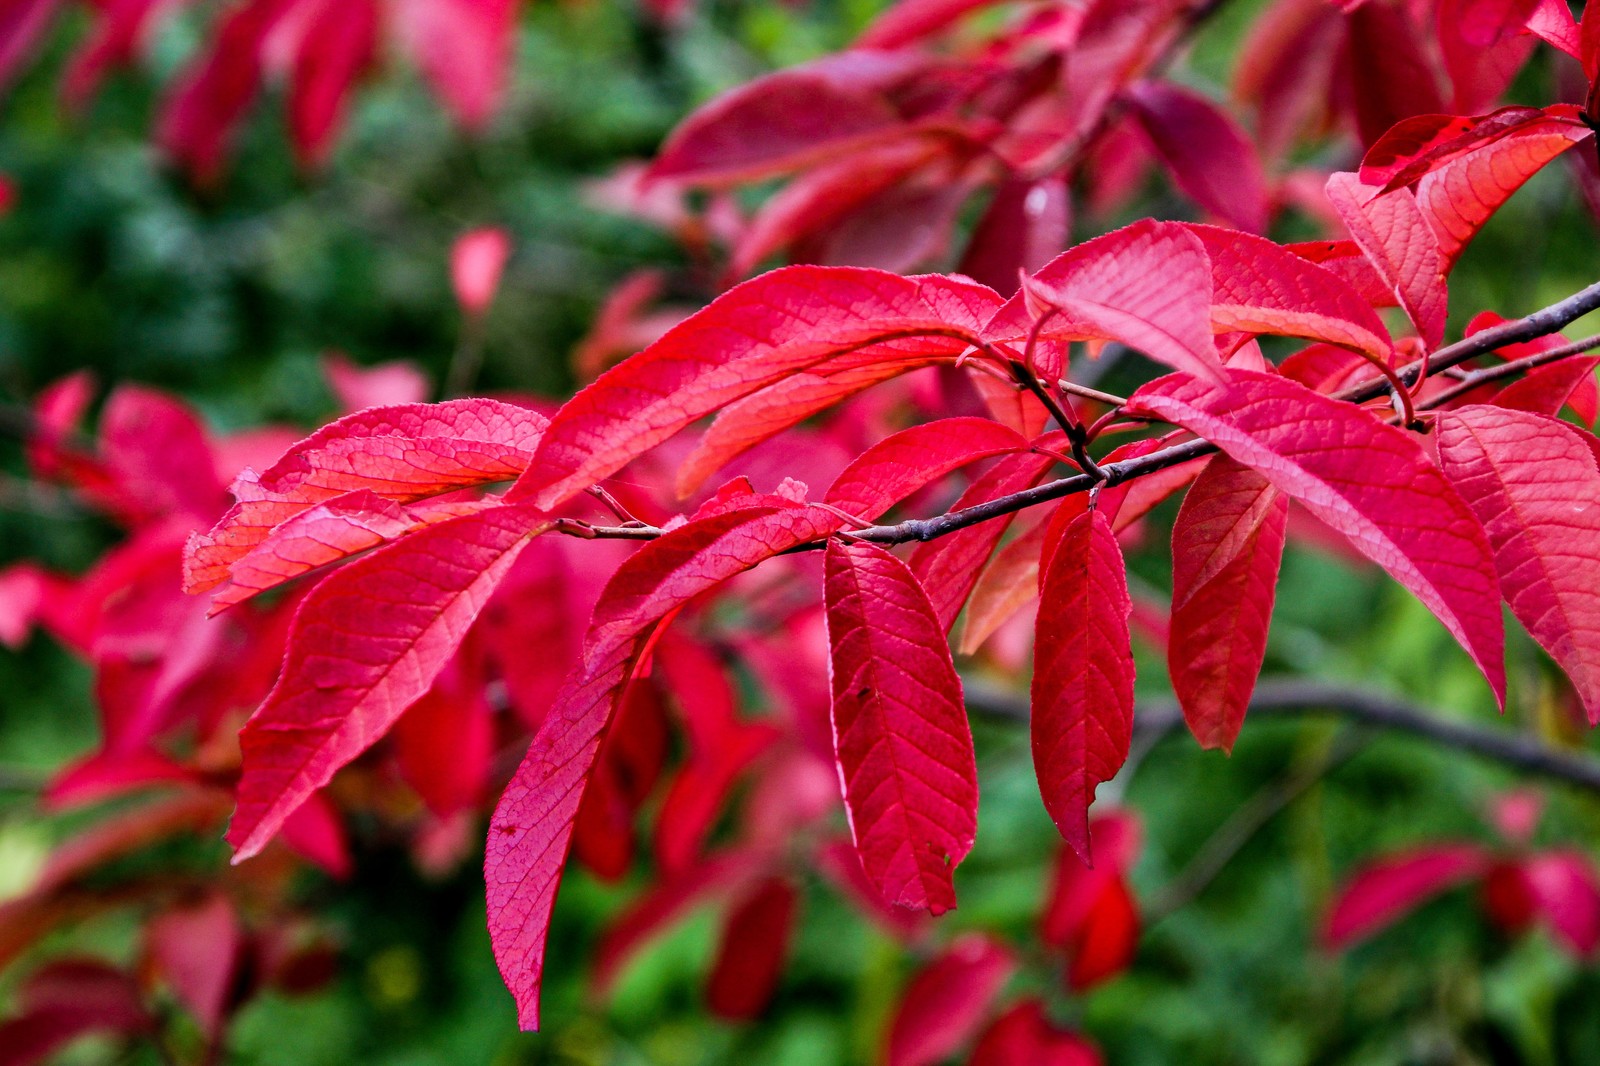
1024	1035
1226	547
752	336
946	1002
1083	675
1368	480
1532	481
905	750
752	951
1208	155
1388	889
366	644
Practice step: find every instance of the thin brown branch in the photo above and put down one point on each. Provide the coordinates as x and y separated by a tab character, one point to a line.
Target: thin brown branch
1538	324
1276	699
1479	378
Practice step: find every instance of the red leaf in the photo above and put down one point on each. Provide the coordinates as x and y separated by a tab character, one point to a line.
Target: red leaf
1547	389
1459	197
1368	480
1226	547
814	207
945	1003
788	119
784	404
477	260
1395	236
315	832
1083	675
1147	285
1346	259
445	741
1565	890
366	644
1385	891
197	948
1589	43
905	750
1262	287
1024	1035
208	101
532	825
1110	938
156	453
464	48
752	336
324	534
1024	227
1419	145
752	951
358	387
337	46
1076	888
401	453
1532	481
1207	153
899	465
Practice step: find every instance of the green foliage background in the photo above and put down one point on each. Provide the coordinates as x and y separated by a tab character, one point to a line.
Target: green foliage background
111	262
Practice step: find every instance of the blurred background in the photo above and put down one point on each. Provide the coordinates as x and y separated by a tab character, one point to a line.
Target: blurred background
231	293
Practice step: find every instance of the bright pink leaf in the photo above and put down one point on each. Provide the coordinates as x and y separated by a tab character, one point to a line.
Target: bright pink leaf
119	27
1082	691
1226	547
207	103
1262	287
532	825
1024	1035
1026	225
946	1002
905	750
1147	285
1424	143
358	387
1387	890
1208	155
366	644
1393	232
789	119
337	46
752	951
1532	481
1460	196
477	260
464	48
1565	890
755	334
401	453
1368	480
198	948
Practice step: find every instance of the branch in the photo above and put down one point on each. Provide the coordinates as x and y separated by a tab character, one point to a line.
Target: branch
1478	378
1540	323
1292	698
